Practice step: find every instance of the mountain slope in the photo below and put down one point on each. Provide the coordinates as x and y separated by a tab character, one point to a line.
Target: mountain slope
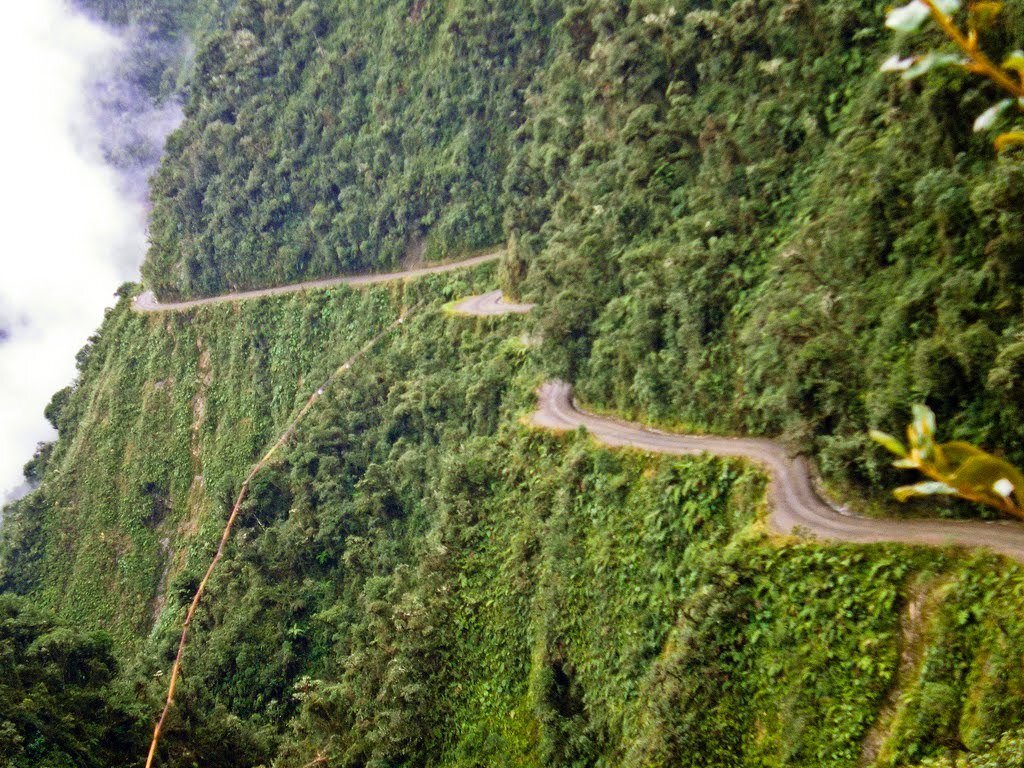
727	218
418	567
736	222
323	139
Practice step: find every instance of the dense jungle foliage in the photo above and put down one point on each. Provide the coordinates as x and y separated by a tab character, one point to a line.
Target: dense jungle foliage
733	220
422	580
163	35
730	220
338	137
58	706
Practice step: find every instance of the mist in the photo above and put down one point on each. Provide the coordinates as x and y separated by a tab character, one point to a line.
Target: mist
77	143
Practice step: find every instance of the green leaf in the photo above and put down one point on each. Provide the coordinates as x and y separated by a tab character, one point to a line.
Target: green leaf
988	117
957	452
981	473
1014	61
929	61
896	64
924	421
907	18
1004	488
984	14
888	442
948	457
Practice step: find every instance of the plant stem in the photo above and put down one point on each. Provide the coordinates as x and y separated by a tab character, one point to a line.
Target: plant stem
980	62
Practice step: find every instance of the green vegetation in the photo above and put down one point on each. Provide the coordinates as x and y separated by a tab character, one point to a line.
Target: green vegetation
730	218
421	580
735	221
160	34
58	706
980	18
326	138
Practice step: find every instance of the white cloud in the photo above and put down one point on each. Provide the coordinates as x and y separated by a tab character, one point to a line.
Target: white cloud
69	235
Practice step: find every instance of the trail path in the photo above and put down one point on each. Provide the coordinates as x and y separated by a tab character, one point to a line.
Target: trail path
147	301
795	505
284	437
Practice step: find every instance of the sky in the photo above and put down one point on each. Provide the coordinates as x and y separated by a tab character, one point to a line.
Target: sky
72	231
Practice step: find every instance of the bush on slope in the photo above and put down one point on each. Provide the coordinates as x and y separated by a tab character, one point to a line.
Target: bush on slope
58	702
730	217
423	581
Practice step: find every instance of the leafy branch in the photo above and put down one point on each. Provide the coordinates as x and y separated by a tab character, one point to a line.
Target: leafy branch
979	17
955	469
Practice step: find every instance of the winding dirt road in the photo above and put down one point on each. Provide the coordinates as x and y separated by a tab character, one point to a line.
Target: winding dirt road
147	301
794	504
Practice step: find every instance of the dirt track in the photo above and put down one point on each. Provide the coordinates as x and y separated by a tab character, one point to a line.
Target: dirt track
258	467
147	301
794	504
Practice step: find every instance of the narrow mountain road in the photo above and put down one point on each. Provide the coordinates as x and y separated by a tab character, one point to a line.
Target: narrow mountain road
795	506
147	301
488	305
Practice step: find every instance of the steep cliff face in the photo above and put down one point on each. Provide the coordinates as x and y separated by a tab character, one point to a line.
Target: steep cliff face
136	99
419	579
732	217
728	219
